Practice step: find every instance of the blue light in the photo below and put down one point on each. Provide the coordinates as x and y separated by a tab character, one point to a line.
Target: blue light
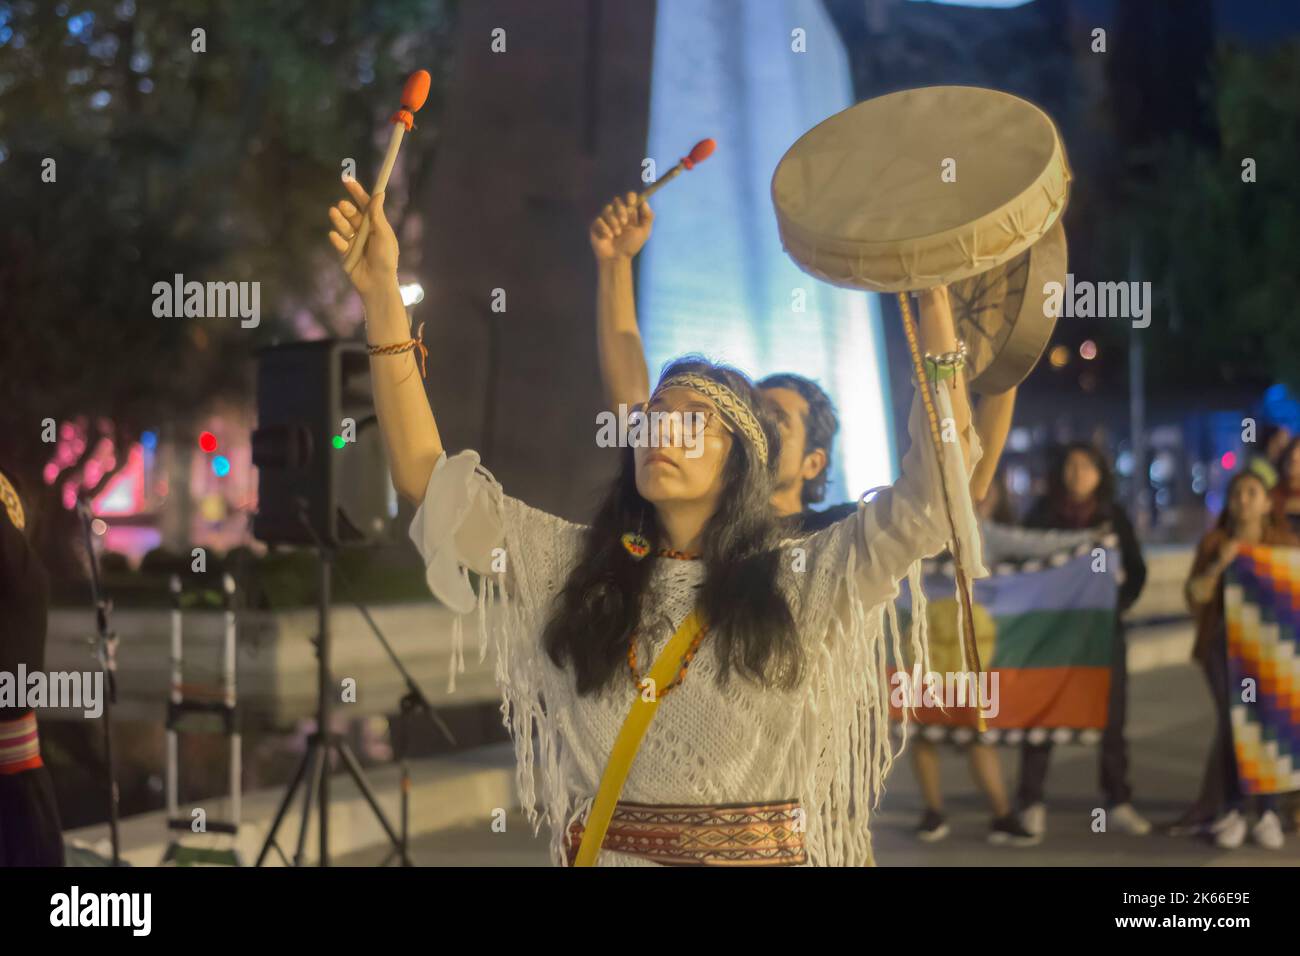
149	440
80	23
220	466
1280	406
995	4
714	278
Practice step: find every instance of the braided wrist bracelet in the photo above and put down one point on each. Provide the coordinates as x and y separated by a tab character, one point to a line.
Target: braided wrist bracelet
400	348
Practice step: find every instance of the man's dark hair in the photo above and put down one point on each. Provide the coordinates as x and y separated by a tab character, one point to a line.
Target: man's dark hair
820	426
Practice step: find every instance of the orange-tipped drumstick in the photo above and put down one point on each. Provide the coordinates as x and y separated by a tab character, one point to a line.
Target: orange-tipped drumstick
698	154
414	93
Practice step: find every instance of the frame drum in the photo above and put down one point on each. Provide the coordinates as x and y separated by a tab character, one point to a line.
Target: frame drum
931	187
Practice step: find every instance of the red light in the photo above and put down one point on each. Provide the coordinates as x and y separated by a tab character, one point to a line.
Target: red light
1229	460
208	442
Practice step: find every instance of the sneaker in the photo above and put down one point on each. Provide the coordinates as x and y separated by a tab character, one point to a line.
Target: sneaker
1129	820
932	828
1034	819
1229	830
1009	831
1267	832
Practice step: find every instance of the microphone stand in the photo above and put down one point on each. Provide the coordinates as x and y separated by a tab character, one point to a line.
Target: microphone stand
106	654
414	700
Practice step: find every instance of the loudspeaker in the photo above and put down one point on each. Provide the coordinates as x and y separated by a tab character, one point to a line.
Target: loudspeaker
305	392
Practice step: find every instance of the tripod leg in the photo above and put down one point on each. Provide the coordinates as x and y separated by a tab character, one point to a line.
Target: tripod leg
313	782
284	806
354	768
405	845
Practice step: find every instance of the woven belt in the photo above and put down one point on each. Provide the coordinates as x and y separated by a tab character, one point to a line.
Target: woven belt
20	747
763	834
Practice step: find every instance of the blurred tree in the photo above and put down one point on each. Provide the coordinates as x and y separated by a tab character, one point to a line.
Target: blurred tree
1221	251
215	165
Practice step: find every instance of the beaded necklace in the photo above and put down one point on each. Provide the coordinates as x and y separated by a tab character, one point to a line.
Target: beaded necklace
690	651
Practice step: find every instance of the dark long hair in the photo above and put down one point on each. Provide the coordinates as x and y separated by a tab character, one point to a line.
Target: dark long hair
1058	496
1284	462
820	426
1225	522
750	622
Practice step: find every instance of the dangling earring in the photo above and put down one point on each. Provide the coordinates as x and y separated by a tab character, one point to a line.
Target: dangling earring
635	542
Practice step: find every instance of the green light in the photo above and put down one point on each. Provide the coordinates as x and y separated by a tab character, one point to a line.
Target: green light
338	441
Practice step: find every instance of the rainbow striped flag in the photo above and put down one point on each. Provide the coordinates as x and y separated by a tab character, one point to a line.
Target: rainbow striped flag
1261	600
1045	629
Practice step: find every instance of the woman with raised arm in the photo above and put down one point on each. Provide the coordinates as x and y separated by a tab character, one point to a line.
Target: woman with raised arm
770	740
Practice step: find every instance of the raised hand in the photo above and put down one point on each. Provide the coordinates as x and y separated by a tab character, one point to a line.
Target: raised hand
377	267
622	228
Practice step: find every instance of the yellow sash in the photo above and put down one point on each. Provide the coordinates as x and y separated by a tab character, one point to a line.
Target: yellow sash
629	739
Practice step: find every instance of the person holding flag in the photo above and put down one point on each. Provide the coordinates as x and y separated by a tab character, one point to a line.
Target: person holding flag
1248	518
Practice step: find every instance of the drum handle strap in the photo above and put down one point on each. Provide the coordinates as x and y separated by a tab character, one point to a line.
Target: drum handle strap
629	738
963	580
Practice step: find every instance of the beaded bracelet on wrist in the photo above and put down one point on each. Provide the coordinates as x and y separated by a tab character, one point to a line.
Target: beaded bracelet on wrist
944	366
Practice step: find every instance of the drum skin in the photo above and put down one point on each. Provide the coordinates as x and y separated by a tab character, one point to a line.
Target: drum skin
862	201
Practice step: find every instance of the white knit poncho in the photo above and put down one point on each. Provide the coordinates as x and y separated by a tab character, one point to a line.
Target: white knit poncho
825	744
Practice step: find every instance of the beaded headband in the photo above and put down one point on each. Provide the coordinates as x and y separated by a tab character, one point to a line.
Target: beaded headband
735	411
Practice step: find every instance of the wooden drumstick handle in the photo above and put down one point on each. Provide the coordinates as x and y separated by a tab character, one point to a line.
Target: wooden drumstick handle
698	154
659	183
358	244
414	93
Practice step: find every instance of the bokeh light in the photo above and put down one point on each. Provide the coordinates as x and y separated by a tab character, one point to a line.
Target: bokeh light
221	466
208	442
412	294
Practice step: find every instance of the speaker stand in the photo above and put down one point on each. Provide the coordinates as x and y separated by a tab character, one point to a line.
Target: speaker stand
313	770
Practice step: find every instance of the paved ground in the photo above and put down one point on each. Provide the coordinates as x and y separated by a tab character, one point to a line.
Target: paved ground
1169	730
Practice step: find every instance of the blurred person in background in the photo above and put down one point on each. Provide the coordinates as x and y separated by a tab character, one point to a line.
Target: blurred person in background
1248	517
1286	493
1274	440
1081	495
